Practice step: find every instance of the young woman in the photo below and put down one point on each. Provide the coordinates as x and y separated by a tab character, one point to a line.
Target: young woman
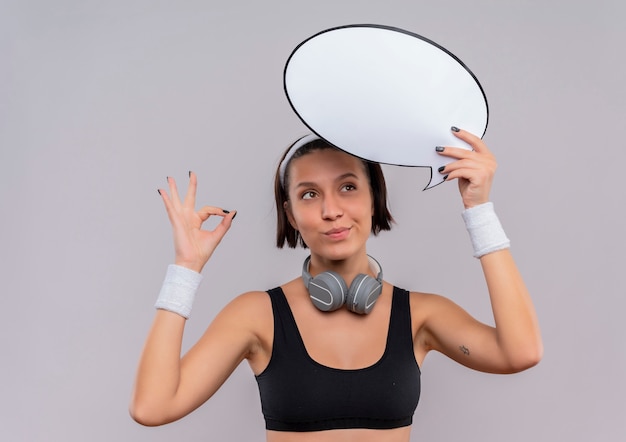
336	352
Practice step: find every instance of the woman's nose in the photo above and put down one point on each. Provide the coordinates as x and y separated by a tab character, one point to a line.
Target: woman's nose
331	208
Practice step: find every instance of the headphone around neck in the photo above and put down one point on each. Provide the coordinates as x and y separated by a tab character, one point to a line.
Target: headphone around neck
329	291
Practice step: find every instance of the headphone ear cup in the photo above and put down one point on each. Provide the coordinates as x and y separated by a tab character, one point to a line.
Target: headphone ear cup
363	293
328	291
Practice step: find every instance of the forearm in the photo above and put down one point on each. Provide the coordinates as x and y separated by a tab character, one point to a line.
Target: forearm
517	332
517	329
158	374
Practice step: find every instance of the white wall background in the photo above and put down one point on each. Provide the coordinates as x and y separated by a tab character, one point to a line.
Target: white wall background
100	101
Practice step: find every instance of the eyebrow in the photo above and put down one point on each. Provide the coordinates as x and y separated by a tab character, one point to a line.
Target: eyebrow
339	178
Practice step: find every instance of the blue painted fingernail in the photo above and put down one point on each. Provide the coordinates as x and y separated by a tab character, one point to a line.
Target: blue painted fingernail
226	211
441	169
445	177
439	148
454	129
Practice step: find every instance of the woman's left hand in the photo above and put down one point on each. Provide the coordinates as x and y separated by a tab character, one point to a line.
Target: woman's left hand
474	169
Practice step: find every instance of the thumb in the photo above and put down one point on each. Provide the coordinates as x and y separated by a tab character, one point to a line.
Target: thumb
228	219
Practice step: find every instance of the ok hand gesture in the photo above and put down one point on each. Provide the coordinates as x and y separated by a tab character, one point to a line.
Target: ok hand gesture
192	245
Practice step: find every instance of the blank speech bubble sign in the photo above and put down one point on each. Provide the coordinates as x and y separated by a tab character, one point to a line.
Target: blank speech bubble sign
384	94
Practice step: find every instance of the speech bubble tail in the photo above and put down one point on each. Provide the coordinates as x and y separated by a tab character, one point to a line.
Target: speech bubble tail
435	180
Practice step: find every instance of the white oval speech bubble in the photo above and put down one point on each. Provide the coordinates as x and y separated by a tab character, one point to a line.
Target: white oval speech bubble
384	94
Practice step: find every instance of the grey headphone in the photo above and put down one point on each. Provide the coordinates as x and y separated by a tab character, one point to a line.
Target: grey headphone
329	291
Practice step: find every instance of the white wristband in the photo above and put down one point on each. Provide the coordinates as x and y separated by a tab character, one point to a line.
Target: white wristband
485	230
178	290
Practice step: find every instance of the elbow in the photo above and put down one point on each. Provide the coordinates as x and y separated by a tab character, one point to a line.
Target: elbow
529	361
526	358
142	417
145	414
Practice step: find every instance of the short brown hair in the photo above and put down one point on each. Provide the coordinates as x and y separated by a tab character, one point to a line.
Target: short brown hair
381	220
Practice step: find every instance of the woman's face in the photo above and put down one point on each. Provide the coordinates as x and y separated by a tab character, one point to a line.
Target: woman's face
330	203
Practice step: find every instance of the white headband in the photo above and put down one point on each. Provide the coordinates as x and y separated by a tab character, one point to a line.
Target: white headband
292	150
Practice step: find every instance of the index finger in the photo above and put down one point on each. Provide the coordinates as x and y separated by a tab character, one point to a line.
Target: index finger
474	141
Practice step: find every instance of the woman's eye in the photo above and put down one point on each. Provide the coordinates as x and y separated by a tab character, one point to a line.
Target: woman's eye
348	187
308	195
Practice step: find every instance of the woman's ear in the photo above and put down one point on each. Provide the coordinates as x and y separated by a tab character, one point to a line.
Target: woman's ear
290	218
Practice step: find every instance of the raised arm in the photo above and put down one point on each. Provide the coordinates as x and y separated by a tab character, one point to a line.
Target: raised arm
168	387
514	344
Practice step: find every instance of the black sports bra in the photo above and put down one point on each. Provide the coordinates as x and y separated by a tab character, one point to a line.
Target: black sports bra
299	394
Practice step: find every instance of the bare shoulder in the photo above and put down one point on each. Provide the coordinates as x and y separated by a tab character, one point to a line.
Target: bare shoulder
431	308
428	310
253	309
425	304
249	307
251	299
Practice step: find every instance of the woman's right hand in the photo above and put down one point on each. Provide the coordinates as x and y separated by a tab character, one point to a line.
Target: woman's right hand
192	245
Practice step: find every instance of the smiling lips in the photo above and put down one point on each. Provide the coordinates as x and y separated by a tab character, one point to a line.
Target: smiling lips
338	233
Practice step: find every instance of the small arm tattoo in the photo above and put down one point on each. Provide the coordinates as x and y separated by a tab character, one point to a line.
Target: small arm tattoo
465	350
